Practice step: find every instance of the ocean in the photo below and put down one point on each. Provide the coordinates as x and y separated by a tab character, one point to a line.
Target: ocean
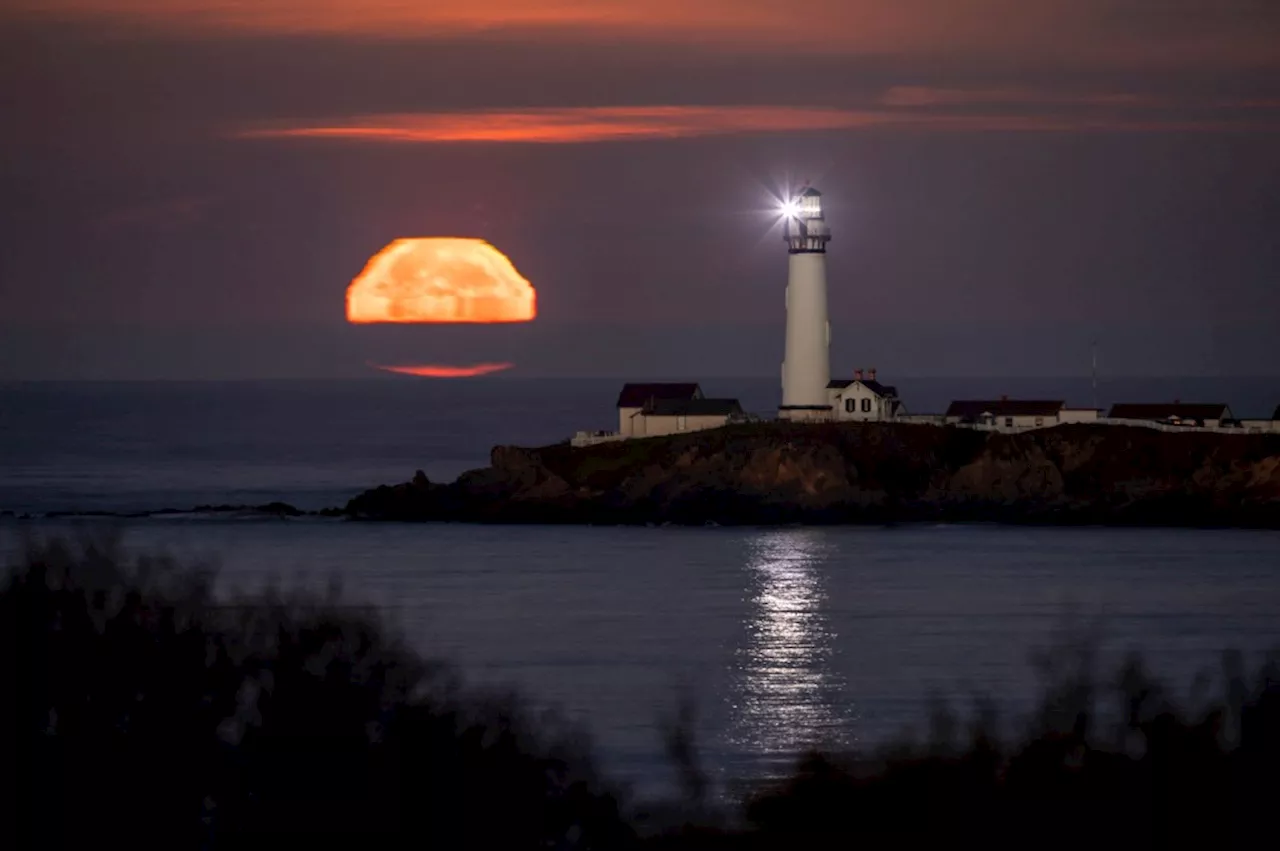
780	638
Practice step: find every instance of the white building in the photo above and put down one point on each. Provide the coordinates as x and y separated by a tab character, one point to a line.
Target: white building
863	399
1016	414
634	398
656	409
806	366
674	416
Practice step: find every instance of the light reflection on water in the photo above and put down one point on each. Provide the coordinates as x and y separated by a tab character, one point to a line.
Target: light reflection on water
786	695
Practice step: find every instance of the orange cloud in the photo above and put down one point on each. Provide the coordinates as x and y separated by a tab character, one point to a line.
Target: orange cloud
386	17
611	124
442	279
570	124
730	19
1133	32
433	370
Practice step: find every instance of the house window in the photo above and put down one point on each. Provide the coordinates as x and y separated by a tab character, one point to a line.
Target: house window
1008	422
866	406
851	405
680	422
1039	421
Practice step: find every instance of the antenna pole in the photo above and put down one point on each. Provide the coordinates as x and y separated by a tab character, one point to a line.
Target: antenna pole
1094	346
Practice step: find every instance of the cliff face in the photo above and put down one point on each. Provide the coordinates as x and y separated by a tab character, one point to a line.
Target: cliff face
874	472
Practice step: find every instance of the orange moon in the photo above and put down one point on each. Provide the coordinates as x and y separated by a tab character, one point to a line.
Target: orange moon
440	279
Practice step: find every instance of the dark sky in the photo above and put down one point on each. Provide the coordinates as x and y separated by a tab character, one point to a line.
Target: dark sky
1005	180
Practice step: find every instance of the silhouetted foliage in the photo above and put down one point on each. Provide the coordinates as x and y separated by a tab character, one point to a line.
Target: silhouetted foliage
141	712
145	714
1158	778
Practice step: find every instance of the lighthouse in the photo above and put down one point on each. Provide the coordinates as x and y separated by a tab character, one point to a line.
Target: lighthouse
806	368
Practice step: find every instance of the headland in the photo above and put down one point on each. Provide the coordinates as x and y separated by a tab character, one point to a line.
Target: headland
874	472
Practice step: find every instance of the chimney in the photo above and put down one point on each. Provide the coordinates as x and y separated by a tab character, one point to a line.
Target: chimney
872	374
857	375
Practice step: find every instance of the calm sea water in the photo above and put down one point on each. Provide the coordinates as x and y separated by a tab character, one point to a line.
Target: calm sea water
783	637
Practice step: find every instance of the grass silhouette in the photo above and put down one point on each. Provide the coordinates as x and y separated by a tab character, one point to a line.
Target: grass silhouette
141	711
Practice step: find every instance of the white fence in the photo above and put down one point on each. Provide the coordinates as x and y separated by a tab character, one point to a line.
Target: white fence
1240	429
1151	424
594	438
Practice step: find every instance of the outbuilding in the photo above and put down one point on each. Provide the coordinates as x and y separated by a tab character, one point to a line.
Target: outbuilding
1006	414
636	397
674	416
1174	413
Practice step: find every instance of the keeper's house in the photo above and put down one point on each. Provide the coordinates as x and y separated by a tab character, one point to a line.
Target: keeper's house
864	399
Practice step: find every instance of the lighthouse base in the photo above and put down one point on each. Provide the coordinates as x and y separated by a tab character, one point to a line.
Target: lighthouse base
805	413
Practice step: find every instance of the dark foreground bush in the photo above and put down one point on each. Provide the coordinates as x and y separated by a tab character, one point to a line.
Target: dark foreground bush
138	712
1157	776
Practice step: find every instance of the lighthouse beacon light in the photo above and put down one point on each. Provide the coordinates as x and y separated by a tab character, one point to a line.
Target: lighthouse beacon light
806	367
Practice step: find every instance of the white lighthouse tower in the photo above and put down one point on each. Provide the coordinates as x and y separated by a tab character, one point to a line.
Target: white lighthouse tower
806	369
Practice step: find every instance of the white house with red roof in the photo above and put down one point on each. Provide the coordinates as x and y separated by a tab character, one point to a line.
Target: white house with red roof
864	399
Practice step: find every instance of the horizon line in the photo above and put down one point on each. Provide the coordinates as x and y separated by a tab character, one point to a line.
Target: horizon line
508	376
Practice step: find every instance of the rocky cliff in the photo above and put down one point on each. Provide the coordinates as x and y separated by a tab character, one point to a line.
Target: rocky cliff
864	473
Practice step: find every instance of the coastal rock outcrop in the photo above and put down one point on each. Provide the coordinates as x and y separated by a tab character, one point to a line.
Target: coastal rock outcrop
863	472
